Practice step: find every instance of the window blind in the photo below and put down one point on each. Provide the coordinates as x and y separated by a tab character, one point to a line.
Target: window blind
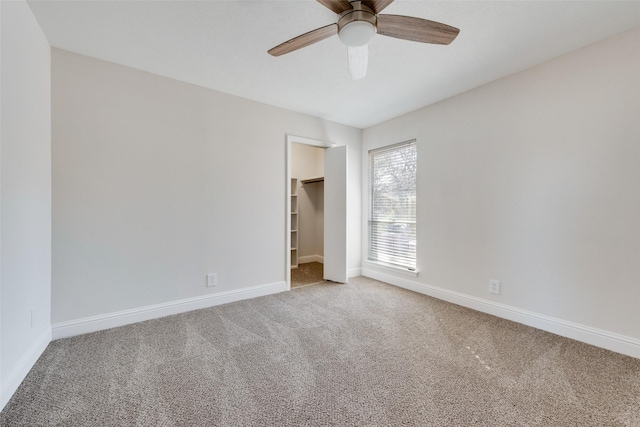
392	205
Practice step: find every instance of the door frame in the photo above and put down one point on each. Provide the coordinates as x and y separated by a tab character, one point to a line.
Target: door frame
290	139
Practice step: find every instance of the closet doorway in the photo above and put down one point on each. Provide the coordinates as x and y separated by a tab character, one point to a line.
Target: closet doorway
316	206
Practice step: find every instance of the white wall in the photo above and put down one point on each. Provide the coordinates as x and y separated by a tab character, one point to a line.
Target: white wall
308	162
534	180
25	195
157	183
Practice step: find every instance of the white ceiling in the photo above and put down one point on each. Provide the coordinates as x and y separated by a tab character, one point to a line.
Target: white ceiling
222	45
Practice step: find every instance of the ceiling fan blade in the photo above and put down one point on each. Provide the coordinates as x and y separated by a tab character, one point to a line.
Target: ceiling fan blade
358	61
305	40
416	29
377	5
338	6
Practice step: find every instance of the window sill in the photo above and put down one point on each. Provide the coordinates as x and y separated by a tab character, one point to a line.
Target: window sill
391	268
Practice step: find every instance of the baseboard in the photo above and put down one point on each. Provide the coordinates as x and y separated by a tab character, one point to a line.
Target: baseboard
597	337
126	317
354	272
310	258
30	358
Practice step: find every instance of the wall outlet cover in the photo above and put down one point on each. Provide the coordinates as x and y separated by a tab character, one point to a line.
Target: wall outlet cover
212	279
494	286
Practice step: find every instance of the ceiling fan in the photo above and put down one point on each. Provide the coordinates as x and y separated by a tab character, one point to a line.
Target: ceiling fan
359	21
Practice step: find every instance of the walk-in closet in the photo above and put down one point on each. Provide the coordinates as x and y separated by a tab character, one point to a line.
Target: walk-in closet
307	214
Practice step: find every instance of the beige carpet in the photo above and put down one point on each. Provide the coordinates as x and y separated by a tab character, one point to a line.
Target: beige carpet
359	354
307	274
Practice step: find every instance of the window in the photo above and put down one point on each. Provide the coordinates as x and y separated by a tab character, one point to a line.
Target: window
392	205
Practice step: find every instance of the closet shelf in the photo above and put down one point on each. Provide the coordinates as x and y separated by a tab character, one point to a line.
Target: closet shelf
312	180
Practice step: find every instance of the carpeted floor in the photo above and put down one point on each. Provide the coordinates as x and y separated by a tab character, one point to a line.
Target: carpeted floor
357	354
307	274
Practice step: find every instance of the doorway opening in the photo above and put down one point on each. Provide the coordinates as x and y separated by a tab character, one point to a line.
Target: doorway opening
307	214
316	212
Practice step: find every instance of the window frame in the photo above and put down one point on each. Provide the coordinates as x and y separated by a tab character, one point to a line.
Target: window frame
392	259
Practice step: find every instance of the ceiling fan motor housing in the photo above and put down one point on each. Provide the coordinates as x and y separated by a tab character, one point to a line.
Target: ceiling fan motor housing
356	27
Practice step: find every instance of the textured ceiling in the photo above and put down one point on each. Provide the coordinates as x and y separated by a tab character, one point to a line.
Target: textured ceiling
223	45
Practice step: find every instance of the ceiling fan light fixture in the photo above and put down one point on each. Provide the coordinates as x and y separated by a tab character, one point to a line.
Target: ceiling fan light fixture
357	33
357	26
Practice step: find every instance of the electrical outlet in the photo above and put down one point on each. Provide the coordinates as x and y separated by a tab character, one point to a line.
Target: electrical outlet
212	279
494	286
